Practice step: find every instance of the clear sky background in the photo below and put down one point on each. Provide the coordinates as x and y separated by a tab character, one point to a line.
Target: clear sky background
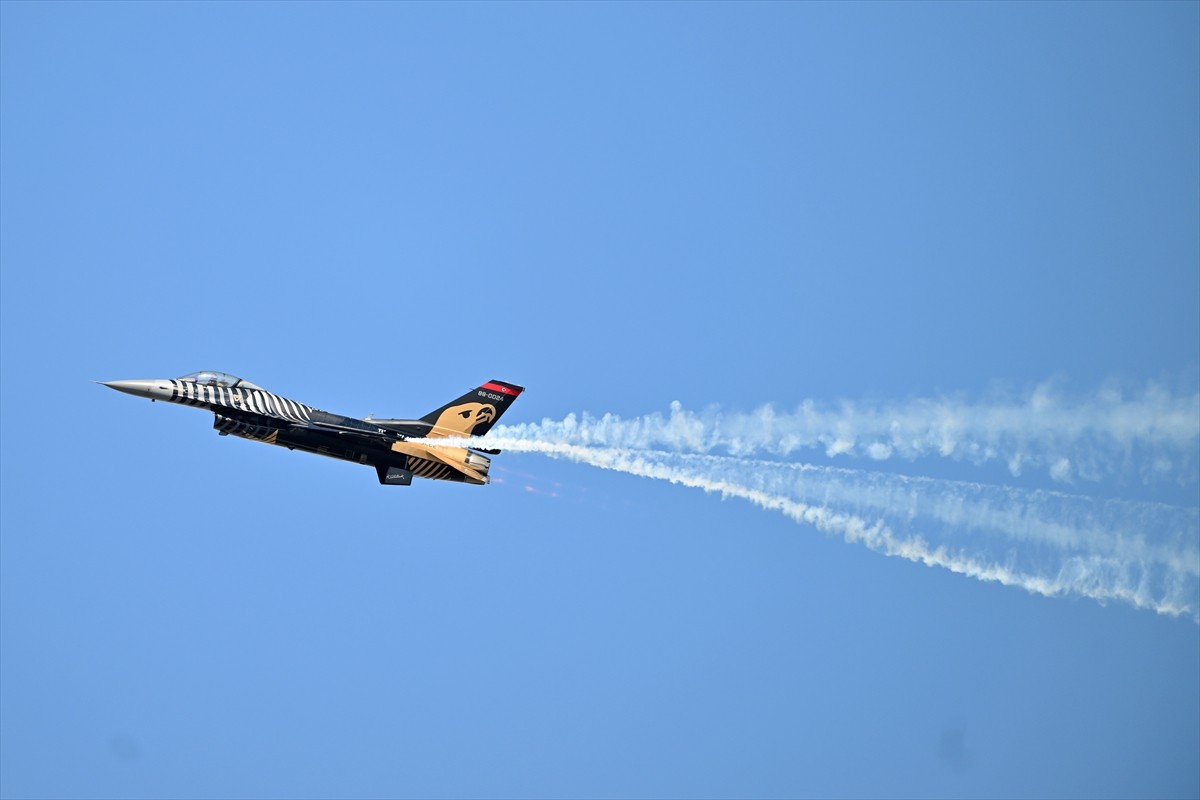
373	207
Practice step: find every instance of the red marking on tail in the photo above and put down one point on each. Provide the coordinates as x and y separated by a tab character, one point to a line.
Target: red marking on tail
495	387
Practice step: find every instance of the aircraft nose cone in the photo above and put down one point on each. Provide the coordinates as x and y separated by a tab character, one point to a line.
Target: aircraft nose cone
136	388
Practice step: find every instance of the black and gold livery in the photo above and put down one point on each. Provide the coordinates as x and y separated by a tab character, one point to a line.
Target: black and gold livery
241	408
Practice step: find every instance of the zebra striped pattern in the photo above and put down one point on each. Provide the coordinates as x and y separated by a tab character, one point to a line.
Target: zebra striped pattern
190	393
433	470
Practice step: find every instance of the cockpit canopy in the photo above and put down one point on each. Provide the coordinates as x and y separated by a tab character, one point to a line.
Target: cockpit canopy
221	379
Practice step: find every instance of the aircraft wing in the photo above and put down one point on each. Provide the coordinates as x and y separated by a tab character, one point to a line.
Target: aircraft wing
367	432
456	458
459	459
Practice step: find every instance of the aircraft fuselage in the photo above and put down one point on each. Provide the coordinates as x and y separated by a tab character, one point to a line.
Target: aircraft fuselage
245	410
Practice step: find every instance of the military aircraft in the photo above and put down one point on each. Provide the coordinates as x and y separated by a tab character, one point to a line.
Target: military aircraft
244	409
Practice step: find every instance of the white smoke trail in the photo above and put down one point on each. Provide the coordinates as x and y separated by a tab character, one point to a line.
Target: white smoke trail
1047	542
1150	436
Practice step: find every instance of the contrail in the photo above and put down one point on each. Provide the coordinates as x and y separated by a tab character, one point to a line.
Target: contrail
1050	543
1150	435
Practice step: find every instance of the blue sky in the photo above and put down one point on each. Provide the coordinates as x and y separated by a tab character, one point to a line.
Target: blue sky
372	207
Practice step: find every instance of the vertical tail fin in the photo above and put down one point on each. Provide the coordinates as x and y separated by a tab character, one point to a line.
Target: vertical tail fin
475	412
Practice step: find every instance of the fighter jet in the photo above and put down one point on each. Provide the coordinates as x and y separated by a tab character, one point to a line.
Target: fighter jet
241	408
